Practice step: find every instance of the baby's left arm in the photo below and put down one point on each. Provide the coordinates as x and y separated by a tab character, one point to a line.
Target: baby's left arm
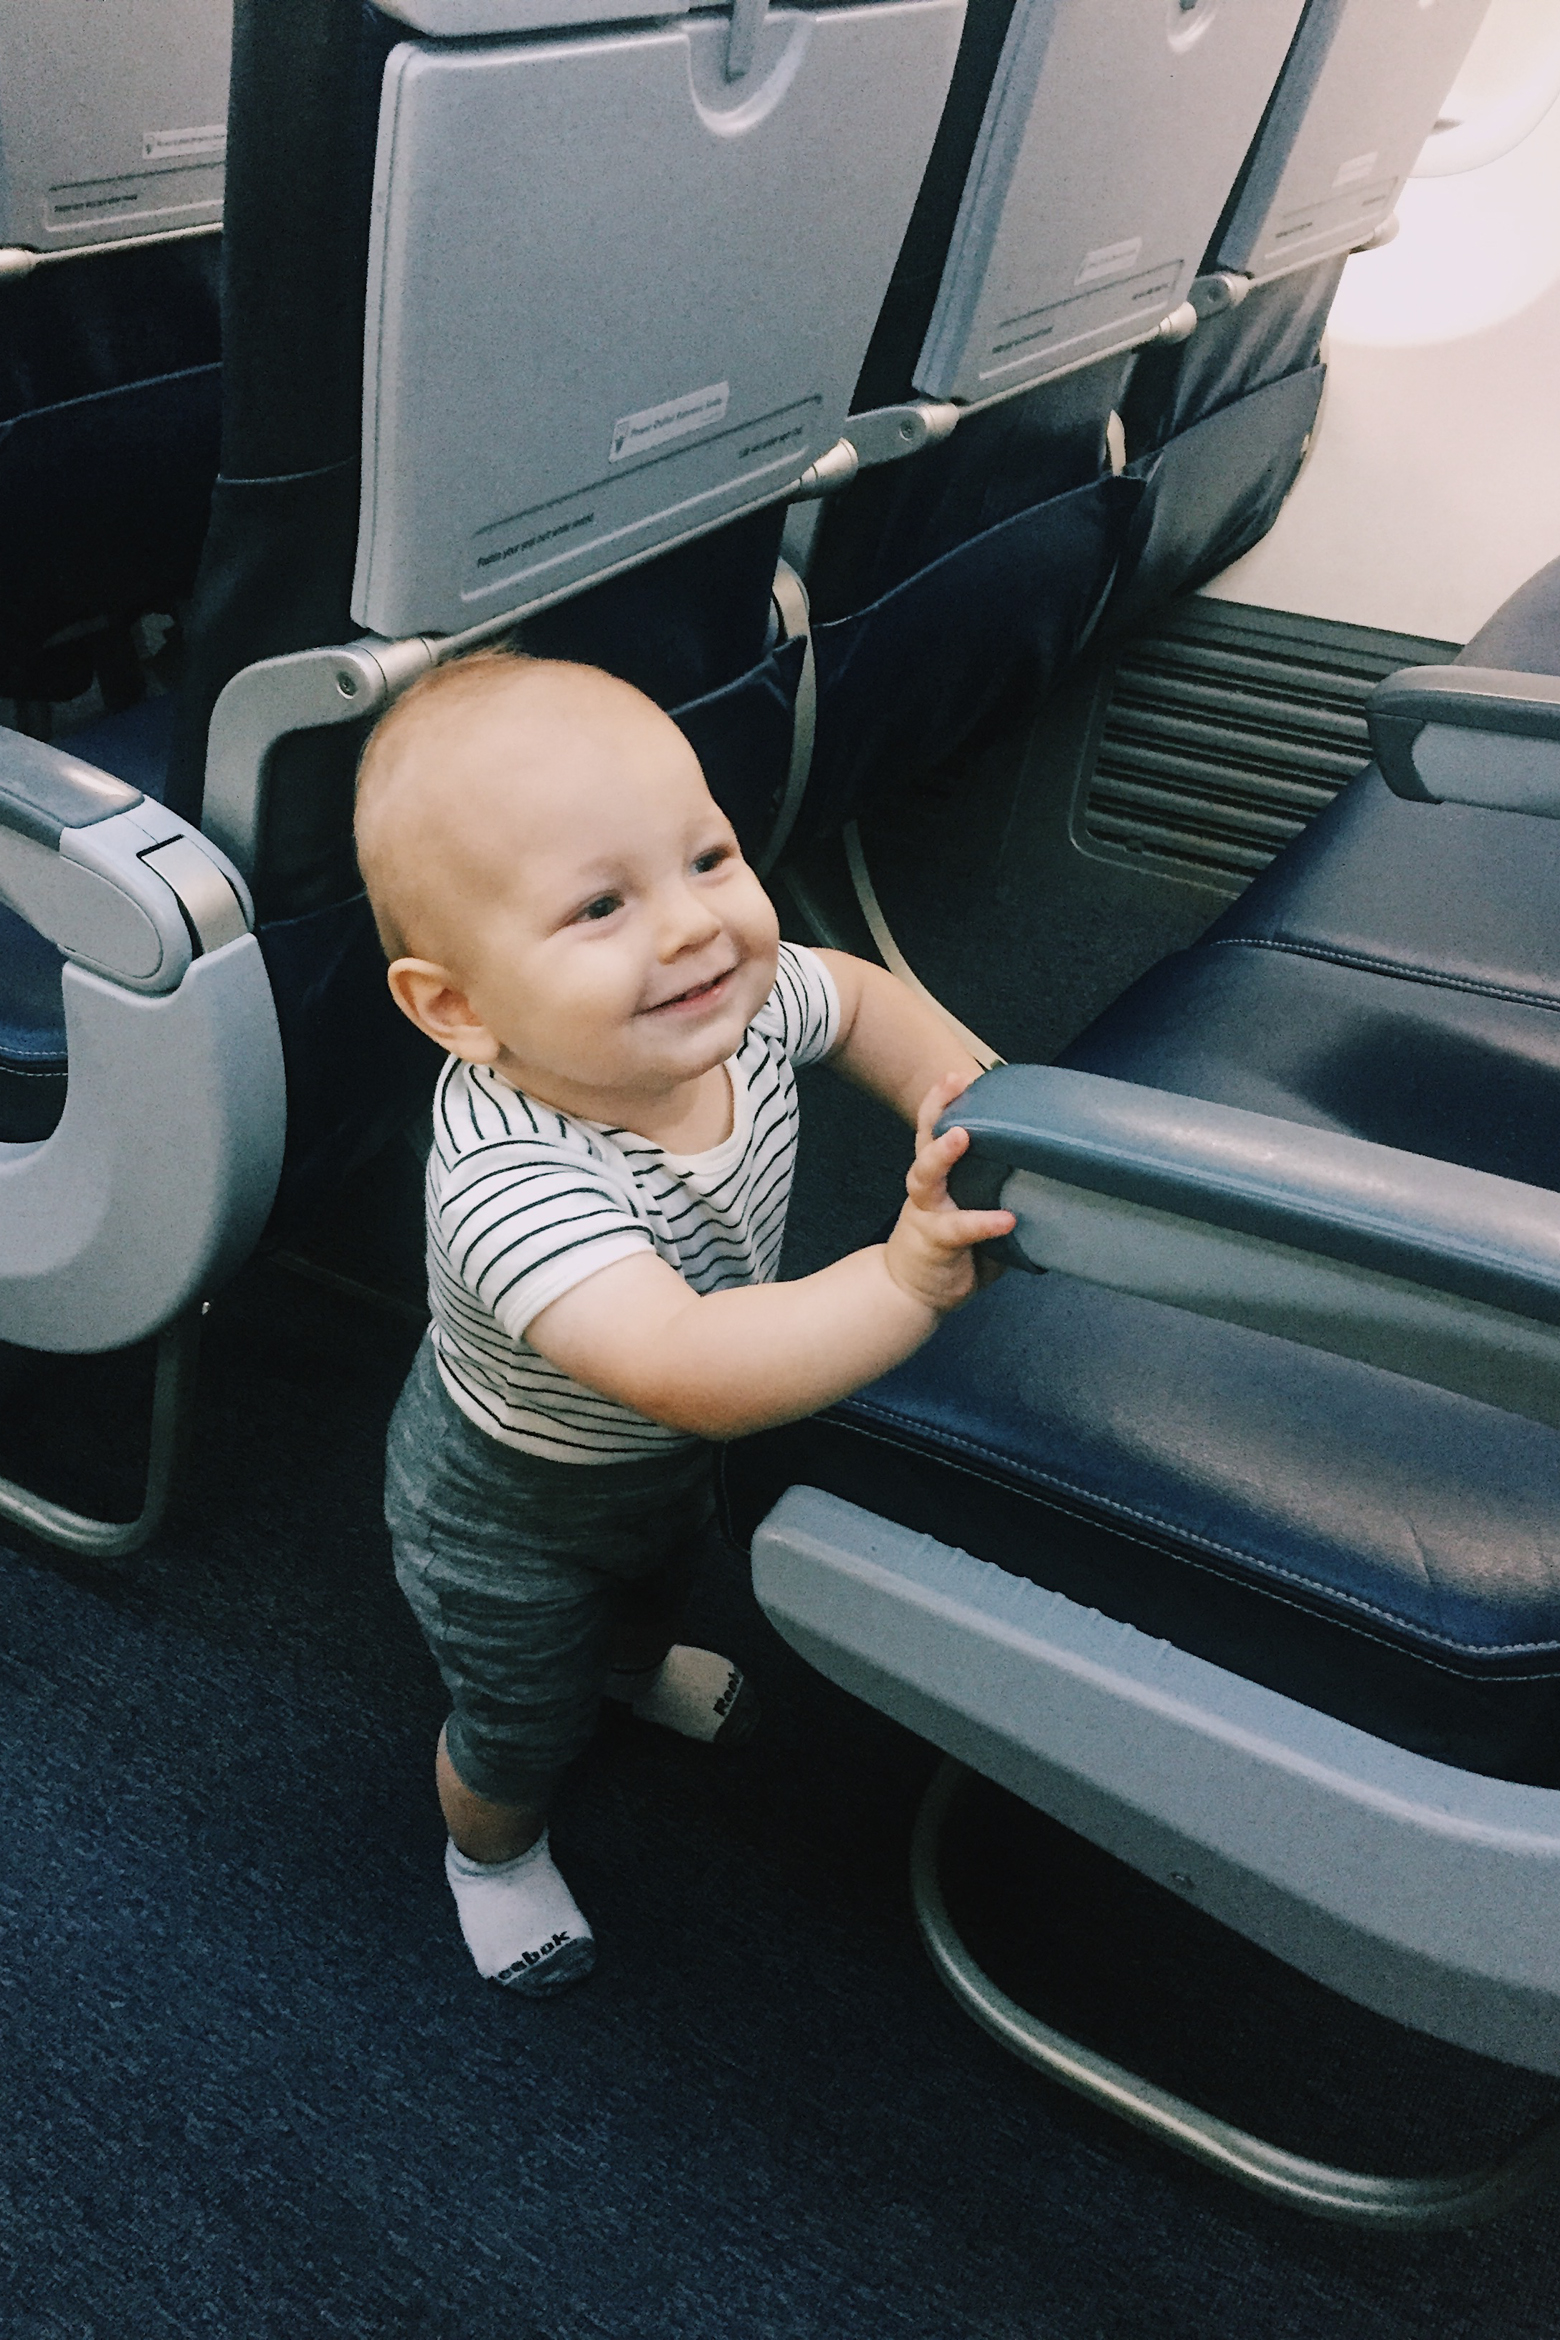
890	1042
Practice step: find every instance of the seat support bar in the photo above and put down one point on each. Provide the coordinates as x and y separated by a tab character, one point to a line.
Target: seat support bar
173	1397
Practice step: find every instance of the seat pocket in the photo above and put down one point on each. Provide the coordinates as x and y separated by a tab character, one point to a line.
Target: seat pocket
1212	493
903	682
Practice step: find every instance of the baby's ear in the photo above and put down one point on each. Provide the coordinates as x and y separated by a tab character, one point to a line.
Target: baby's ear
429	995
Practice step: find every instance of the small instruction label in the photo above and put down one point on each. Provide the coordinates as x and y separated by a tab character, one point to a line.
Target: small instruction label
1109	260
1358	167
636	434
207	142
1099	310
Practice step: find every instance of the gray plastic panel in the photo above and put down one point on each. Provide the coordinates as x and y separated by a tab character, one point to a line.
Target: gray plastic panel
159	1177
461	19
1430	1894
1424	1268
1489	1239
125	888
44	790
1113	136
1470	735
163	1167
1356	102
615	298
113	118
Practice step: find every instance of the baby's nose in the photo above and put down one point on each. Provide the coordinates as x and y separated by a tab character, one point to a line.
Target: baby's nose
690	923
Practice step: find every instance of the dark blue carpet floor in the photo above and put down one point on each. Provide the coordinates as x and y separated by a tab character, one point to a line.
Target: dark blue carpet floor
252	2088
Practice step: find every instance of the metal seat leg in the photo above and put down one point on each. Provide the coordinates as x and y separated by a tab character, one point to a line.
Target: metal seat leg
173	1394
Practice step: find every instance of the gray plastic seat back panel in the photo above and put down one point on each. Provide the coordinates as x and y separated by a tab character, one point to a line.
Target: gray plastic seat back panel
1356	102
1114	133
113	118
615	298
450	20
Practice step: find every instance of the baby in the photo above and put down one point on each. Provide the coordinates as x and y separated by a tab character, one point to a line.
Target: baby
567	912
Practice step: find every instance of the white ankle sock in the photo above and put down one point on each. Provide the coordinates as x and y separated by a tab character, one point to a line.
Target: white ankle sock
693	1692
522	1924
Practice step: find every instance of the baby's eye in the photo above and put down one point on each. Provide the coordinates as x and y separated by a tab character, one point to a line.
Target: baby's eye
602	907
705	862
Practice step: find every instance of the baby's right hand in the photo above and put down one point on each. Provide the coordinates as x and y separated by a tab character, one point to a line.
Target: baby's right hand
929	1254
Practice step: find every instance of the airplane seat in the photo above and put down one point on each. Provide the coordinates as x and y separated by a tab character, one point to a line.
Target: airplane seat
899	519
695	629
1523	636
109	395
110	355
170	528
1230	1538
112	126
1396	970
1051	241
631	380
1218	429
134	746
577	436
945	586
1275	331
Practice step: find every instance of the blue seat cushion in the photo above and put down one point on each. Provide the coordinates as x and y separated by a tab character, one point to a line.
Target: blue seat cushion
32	1033
1468	1075
1446	895
1379	1550
134	745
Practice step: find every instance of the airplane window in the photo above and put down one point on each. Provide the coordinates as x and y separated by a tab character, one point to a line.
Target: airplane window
1509	81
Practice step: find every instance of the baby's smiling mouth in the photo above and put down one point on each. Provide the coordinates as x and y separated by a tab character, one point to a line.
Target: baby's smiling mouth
695	996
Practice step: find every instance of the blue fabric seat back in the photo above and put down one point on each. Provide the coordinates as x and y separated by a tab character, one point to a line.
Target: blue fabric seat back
1217	429
106	499
109	398
907	680
692	631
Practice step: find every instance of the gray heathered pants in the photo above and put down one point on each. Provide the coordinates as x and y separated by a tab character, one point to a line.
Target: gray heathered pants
532	1579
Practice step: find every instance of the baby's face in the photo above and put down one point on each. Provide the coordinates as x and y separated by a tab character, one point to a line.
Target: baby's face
624	945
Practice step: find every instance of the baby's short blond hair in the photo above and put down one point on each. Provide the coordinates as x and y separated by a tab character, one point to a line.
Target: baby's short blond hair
408	753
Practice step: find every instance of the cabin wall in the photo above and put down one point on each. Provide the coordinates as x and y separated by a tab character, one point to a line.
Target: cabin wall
1433	486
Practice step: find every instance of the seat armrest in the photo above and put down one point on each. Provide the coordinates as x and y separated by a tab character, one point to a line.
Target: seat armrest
1470	735
1447	1274
44	791
114	880
160	1174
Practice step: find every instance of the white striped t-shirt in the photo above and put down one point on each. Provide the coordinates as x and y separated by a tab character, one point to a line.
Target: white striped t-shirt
525	1202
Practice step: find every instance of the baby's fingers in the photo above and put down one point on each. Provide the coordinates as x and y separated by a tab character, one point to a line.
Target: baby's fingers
927	1181
935	1104
962	1230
